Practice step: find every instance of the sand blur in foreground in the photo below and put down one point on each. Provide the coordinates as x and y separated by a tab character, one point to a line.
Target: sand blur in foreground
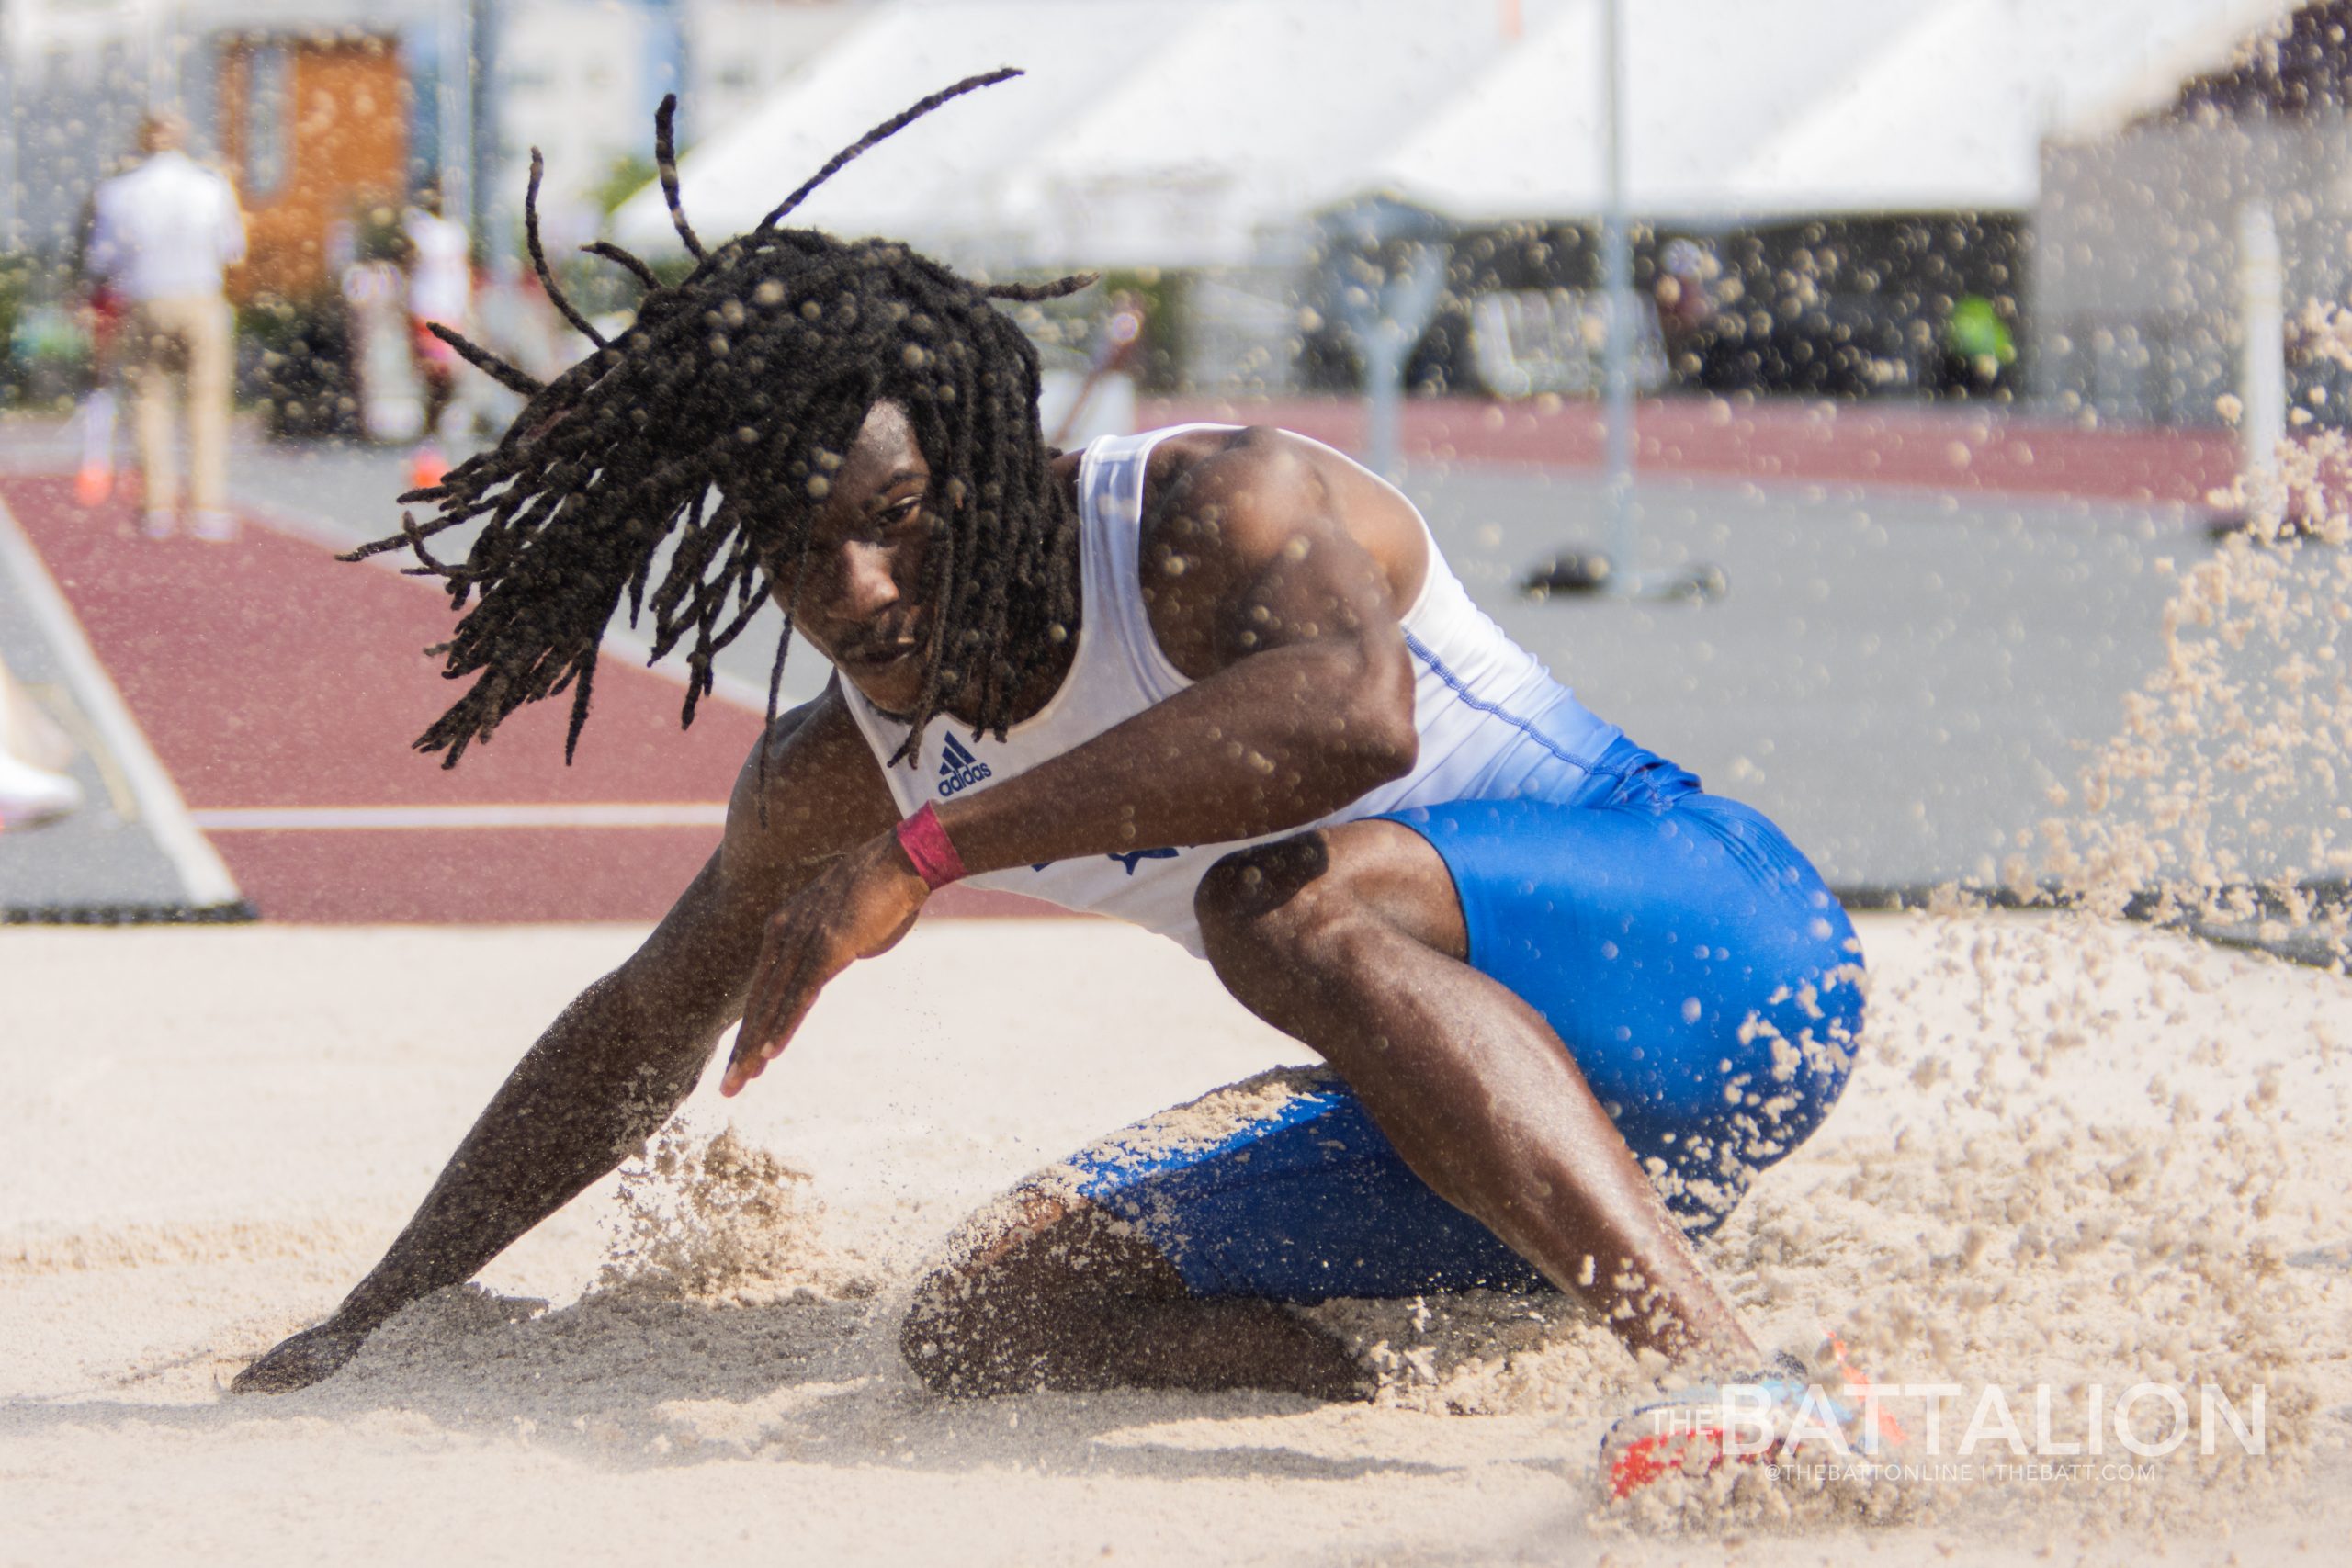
2069	1150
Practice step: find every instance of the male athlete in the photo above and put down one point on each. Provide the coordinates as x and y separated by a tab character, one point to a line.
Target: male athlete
1217	681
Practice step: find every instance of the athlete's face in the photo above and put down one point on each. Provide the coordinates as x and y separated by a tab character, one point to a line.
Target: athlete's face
861	578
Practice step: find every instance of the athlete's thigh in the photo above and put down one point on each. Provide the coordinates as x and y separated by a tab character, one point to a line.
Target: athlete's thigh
1373	867
1688	958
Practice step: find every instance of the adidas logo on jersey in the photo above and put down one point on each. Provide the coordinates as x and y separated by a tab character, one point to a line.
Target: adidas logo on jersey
958	769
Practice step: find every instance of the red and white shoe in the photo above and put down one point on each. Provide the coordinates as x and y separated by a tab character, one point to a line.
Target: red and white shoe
1764	1420
93	484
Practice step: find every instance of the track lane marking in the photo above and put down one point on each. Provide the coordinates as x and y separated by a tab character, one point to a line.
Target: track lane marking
365	818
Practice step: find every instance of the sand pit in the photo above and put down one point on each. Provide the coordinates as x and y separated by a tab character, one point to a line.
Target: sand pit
2074	1153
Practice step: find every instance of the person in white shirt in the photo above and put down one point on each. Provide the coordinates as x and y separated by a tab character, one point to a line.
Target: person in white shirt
161	237
440	291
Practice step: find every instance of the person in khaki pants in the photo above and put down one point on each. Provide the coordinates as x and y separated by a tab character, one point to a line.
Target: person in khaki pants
161	235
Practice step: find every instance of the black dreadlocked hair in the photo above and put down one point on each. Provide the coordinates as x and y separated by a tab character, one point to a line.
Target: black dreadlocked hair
750	379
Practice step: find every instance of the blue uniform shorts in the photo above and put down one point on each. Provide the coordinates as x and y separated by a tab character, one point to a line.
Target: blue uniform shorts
1687	956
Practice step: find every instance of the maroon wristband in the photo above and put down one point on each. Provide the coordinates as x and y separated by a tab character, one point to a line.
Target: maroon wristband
926	843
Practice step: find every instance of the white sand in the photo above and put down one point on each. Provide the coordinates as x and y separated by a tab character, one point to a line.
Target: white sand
211	1132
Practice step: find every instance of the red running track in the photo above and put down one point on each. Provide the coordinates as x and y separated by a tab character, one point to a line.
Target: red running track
1779	441
269	676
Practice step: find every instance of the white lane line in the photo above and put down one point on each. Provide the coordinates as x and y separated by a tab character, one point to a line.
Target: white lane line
163	812
344	818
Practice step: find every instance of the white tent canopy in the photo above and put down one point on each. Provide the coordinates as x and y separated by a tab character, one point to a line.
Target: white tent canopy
1260	113
1702	81
1953	117
1146	132
938	181
1808	107
1162	133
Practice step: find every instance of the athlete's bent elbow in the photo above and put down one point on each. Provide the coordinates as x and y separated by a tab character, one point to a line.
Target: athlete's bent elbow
1383	729
1396	752
1379	744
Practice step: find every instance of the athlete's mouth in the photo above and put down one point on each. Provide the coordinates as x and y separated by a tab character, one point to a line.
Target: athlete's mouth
877	652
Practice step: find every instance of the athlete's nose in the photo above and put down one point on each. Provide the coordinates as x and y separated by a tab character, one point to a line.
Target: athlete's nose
867	585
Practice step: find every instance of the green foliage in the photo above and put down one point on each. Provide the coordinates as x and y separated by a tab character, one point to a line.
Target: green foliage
625	180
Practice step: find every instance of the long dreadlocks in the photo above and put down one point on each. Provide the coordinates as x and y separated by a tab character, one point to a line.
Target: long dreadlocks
719	417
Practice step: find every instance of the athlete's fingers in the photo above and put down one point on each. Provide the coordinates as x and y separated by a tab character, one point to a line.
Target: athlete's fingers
788	987
746	1060
829	925
752	1037
754	1049
795	1010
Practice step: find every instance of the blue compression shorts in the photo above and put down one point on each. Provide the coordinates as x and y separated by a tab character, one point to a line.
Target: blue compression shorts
1690	957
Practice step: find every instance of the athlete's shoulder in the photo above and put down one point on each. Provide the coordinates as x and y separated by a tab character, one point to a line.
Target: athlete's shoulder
1249	492
1225	452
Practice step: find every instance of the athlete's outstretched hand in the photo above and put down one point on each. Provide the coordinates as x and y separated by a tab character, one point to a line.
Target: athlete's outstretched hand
301	1359
859	906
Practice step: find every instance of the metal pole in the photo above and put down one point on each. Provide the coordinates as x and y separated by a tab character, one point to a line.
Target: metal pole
455	110
11	123
482	133
2262	377
1617	283
1384	372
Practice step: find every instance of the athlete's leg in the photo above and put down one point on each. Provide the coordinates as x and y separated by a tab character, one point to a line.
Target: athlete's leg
1687	959
1043	1288
1353	940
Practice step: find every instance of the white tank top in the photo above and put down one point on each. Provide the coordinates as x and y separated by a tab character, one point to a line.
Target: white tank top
1491	719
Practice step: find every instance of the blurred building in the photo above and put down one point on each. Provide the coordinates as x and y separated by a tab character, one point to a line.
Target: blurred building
313	130
326	113
2135	299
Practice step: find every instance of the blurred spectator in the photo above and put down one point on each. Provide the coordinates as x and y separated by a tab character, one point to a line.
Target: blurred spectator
440	289
161	236
1103	402
32	788
102	324
1685	307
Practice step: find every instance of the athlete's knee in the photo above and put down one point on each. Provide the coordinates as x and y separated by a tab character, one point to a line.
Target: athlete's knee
943	1337
977	1324
944	1334
1273	907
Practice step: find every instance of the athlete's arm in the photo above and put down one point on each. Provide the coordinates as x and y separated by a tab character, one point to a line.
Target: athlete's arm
611	1070
1302	702
1303	694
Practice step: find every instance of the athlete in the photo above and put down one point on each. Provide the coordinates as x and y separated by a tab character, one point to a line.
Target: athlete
1215	680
